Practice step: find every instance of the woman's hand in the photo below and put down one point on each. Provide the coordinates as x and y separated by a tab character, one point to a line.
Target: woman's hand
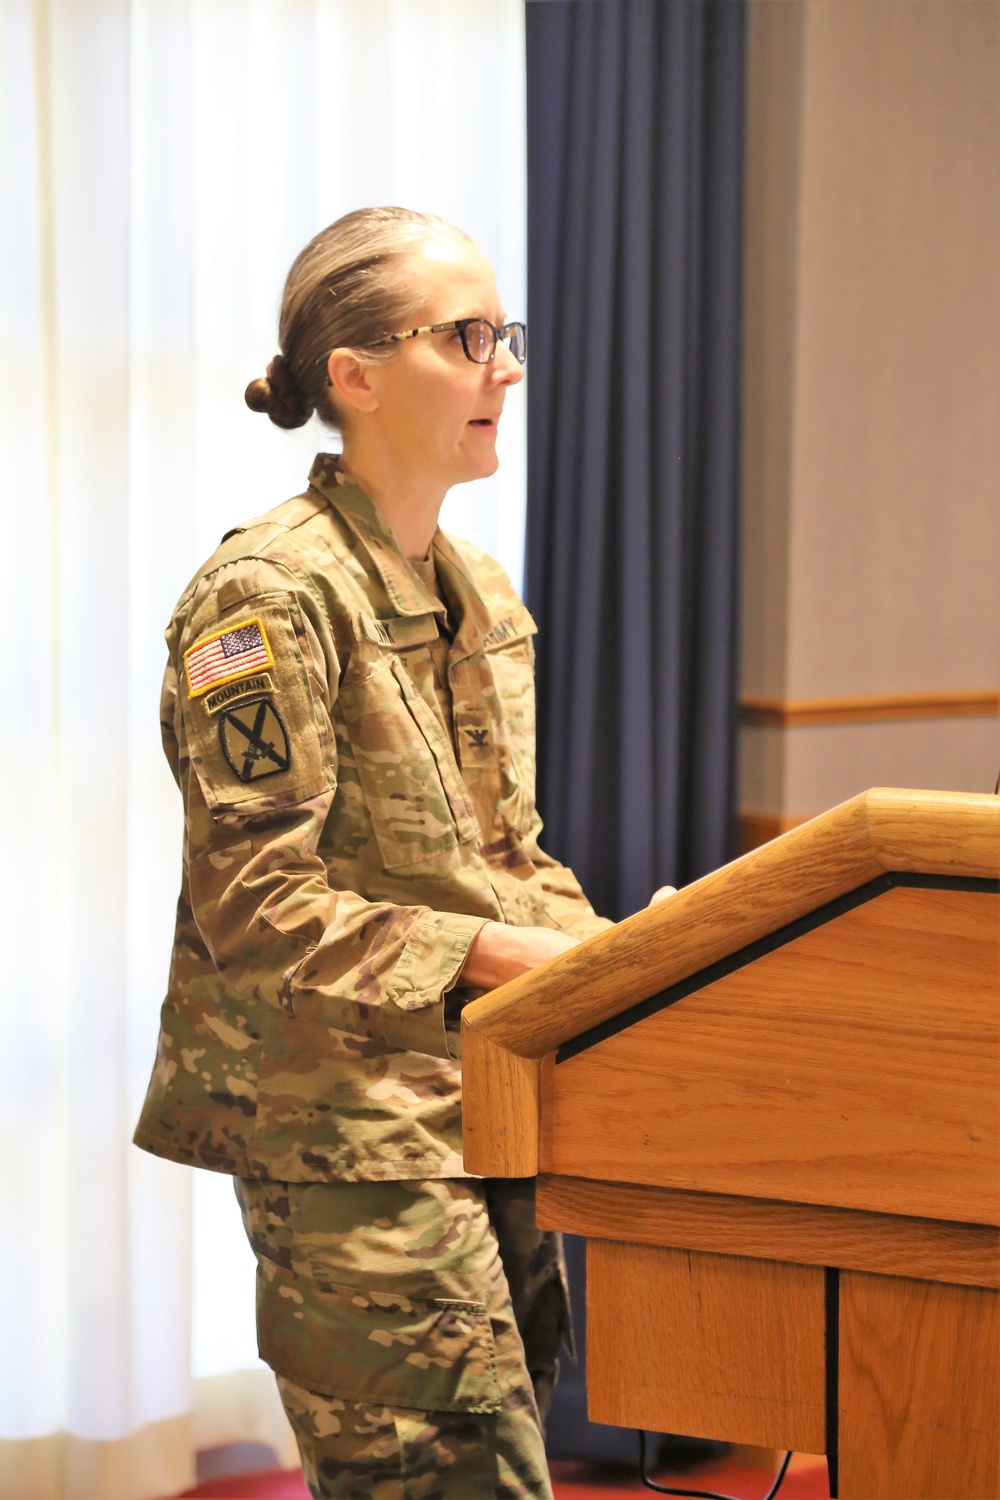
499	953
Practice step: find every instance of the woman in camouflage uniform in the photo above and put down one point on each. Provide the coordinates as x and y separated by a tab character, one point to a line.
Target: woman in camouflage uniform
348	711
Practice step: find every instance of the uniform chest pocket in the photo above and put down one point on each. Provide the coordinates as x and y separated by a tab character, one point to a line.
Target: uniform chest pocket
410	782
512	674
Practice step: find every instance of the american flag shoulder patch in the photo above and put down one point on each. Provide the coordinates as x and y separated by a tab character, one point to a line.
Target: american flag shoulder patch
230	653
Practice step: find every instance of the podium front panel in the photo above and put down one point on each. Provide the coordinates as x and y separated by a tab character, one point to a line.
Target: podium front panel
919	1389
712	1346
855	1065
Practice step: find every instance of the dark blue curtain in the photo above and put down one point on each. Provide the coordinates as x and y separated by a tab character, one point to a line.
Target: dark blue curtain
635	147
635	131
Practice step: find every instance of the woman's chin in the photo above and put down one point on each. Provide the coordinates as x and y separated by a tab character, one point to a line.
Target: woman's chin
482	465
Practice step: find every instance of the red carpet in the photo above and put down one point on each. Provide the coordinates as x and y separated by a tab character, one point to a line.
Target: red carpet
264	1484
746	1473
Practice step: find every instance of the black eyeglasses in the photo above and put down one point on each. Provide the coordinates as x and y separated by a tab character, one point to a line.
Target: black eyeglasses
479	338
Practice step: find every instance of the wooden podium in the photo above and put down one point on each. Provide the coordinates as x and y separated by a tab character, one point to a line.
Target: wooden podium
771	1104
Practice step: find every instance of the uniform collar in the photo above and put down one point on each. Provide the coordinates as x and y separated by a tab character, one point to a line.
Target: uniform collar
473	618
404	589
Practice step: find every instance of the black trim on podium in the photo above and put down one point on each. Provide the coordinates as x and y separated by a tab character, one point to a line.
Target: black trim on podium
777	939
832	1366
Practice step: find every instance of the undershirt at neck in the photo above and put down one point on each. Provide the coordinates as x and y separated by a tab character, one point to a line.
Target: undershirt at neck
426	570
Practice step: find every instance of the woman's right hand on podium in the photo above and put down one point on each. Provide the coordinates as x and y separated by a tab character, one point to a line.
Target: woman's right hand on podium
500	952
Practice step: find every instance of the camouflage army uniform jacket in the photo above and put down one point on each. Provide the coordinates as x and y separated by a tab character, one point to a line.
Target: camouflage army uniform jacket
343	843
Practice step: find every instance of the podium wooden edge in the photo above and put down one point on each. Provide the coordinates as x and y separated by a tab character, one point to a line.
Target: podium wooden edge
507	1033
504	1089
766	1229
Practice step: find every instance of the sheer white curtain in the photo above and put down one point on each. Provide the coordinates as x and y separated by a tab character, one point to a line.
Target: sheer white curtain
161	162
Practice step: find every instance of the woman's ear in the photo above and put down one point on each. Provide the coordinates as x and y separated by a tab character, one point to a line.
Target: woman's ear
349	379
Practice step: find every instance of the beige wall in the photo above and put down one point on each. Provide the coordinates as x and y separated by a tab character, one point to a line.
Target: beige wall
872	387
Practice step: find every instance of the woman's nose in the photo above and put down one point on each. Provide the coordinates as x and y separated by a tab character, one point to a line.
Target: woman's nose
506	369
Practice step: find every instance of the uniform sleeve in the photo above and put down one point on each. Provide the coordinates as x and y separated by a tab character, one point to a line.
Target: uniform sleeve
257	765
561	892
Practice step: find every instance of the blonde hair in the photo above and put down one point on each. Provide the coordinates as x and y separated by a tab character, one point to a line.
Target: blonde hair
347	288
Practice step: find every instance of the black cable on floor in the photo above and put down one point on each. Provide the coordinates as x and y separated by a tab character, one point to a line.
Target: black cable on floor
662	1489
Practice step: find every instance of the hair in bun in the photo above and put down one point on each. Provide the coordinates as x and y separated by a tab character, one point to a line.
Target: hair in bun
347	288
278	395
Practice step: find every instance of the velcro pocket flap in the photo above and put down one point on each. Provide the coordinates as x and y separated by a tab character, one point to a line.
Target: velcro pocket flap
399	633
515	625
377	1346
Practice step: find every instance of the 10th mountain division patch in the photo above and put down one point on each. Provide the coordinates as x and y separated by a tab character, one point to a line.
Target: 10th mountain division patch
254	740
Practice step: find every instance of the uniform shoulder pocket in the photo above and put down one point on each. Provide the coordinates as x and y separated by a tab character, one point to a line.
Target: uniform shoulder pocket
434	1355
257	734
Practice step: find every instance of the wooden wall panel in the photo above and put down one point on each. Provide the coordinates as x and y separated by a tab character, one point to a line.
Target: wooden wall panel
919	1390
869	708
857	1066
756	828
710	1346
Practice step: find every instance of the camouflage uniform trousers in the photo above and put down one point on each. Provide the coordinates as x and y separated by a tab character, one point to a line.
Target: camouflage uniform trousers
413	1327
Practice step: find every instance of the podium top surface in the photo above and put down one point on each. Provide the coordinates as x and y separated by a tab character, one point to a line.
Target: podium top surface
950	837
